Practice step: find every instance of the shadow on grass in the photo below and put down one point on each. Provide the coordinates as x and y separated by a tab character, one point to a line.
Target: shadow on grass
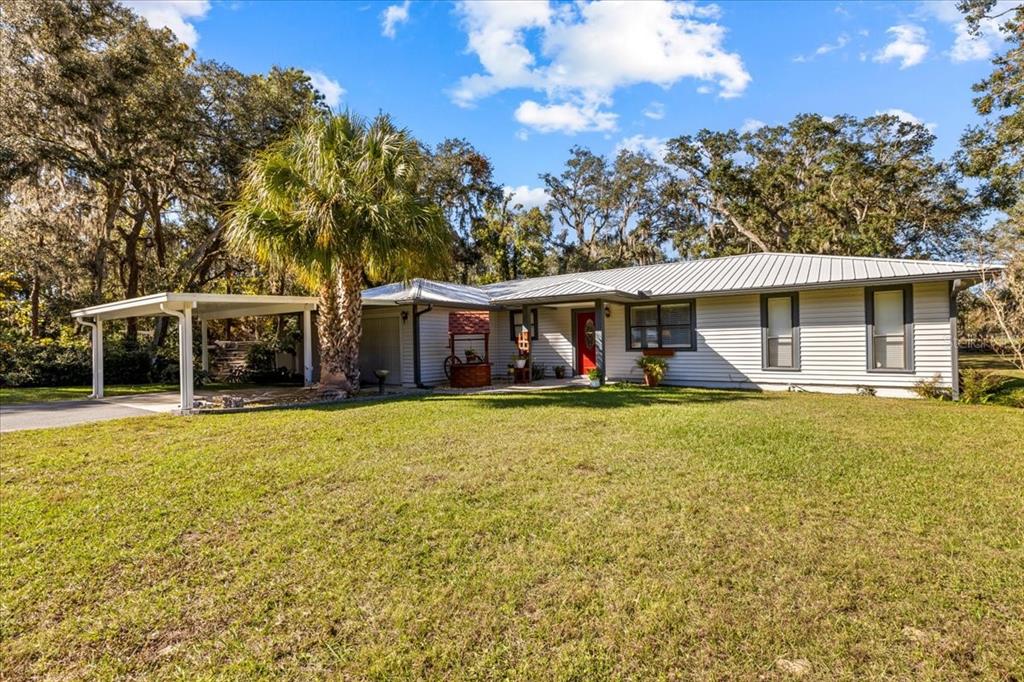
611	397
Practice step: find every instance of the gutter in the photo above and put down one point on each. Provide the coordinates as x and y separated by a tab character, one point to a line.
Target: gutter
416	343
955	287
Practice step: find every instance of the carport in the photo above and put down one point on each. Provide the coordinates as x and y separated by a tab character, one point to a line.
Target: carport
187	308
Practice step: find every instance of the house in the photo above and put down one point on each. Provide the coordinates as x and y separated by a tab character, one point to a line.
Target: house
764	320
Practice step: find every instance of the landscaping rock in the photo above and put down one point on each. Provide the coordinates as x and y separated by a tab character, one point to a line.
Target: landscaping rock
797	667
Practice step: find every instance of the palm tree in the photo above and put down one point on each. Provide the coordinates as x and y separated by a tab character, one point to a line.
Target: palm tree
338	199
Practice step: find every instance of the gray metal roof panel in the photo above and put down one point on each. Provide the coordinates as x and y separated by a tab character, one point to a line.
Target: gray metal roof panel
749	272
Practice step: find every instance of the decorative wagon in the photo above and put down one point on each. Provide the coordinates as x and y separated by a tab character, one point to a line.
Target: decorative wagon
475	371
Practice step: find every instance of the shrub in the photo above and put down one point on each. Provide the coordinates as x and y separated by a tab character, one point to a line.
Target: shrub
977	386
261	356
931	388
653	368
67	361
538	372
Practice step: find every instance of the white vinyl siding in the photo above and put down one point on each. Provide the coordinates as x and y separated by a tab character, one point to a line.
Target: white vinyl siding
833	344
552	347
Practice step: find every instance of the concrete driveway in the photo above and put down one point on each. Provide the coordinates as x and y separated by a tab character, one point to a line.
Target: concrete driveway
21	416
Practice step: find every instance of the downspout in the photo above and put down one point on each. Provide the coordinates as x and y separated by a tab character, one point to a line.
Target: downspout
97	369
955	287
416	343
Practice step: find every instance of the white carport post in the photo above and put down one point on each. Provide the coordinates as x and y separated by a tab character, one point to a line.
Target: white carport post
307	347
96	340
185	374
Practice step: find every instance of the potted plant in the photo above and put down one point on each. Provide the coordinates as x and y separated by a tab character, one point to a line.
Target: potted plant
471	355
595	377
653	368
519	360
559	371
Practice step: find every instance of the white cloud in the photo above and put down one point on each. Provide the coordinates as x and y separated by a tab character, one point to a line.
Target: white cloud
522	135
582	53
529	197
176	15
655	146
907	117
909	45
752	124
967	47
842	41
655	111
328	87
564	118
392	17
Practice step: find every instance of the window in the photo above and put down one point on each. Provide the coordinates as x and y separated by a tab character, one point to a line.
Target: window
515	321
780	331
889	318
669	325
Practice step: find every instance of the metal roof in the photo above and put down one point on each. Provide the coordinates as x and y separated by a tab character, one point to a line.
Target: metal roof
427	291
207	306
752	272
731	274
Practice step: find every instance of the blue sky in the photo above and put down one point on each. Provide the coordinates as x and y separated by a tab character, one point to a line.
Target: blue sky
525	81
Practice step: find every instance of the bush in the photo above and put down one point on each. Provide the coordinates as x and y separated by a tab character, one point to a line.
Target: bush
261	356
931	388
538	371
67	361
653	367
977	386
25	361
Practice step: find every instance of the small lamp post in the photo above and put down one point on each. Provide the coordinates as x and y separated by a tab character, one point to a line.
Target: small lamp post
382	375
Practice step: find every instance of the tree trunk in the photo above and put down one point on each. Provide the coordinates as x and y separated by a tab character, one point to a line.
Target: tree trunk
131	255
35	306
332	362
340	326
352	318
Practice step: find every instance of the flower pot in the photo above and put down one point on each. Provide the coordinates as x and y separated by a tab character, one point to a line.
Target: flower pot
650	380
595	383
520	363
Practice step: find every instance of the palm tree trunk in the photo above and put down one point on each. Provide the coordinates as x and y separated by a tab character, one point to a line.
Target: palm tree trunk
341	326
332	366
351	318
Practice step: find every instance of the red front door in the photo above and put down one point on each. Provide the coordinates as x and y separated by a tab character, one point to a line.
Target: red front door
586	348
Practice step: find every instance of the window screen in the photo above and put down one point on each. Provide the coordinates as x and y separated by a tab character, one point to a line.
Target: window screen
889	330
780	337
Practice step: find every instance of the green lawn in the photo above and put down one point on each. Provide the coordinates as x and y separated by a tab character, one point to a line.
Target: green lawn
1012	391
47	394
646	534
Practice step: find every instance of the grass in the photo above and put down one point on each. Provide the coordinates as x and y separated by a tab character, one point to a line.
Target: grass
625	533
1011	393
45	394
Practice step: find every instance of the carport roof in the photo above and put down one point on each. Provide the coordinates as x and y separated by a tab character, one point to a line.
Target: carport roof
204	306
